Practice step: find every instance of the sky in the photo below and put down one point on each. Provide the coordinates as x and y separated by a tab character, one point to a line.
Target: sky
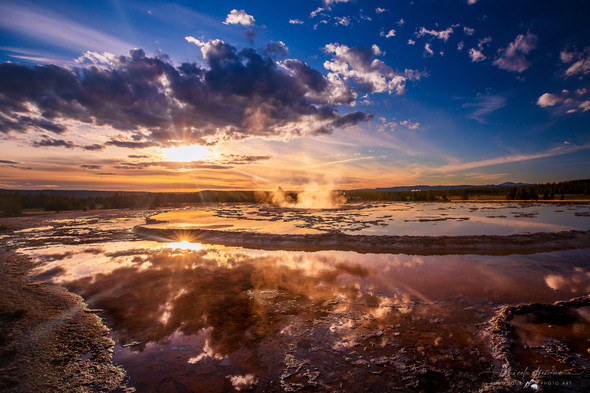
185	96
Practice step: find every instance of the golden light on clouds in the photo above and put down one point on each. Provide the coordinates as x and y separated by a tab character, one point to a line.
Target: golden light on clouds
187	153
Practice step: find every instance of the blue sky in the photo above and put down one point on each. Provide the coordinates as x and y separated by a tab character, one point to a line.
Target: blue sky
438	92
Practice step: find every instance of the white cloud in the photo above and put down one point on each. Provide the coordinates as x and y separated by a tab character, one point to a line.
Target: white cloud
376	50
342	20
428	50
207	48
240	17
441	35
567	56
410	125
564	102
471	2
401	22
581	61
390	33
483	41
460	46
329	3
295	21
476	55
380	10
411	42
313	14
581	91
549	99
194	40
468	30
357	64
512	58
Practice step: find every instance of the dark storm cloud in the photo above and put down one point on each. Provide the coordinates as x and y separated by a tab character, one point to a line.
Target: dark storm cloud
55	143
240	94
170	165
347	120
132	144
22	123
239	159
8	162
50	142
90	166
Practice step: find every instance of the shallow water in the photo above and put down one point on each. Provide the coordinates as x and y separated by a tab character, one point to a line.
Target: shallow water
396	218
207	318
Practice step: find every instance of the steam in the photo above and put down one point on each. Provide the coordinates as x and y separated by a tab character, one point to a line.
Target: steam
313	196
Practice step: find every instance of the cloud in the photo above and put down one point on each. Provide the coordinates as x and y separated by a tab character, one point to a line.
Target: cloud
328	3
512	58
471	2
565	102
411	42
19	123
296	21
484	106
43	25
557	151
315	13
276	49
460	46
441	35
392	125
580	61
428	50
476	55
401	22
390	33
50	142
410	125
342	20
359	65
91	166
238	94
468	30
8	162
240	17
380	10
549	99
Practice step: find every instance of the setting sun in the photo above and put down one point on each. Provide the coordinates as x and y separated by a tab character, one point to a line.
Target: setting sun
187	153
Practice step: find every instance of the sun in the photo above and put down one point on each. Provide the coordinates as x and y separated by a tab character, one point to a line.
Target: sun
187	153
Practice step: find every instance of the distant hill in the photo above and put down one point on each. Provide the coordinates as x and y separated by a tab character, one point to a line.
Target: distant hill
438	188
75	193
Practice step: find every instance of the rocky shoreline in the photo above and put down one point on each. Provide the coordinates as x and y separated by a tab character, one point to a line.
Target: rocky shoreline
49	340
529	243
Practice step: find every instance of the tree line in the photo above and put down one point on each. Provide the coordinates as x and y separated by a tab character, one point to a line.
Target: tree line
14	202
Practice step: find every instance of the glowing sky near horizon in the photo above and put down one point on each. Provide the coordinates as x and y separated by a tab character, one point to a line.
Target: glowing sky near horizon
168	96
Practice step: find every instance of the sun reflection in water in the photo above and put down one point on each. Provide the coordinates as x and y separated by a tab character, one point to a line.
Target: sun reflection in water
185	245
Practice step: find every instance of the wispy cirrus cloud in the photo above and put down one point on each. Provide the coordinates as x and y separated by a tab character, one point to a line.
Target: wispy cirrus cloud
485	105
45	26
556	151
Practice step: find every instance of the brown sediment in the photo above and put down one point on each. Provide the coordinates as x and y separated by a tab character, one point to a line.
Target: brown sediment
528	243
552	362
49	340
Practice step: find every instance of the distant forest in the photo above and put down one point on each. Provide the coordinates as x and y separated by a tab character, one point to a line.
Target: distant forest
15	202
